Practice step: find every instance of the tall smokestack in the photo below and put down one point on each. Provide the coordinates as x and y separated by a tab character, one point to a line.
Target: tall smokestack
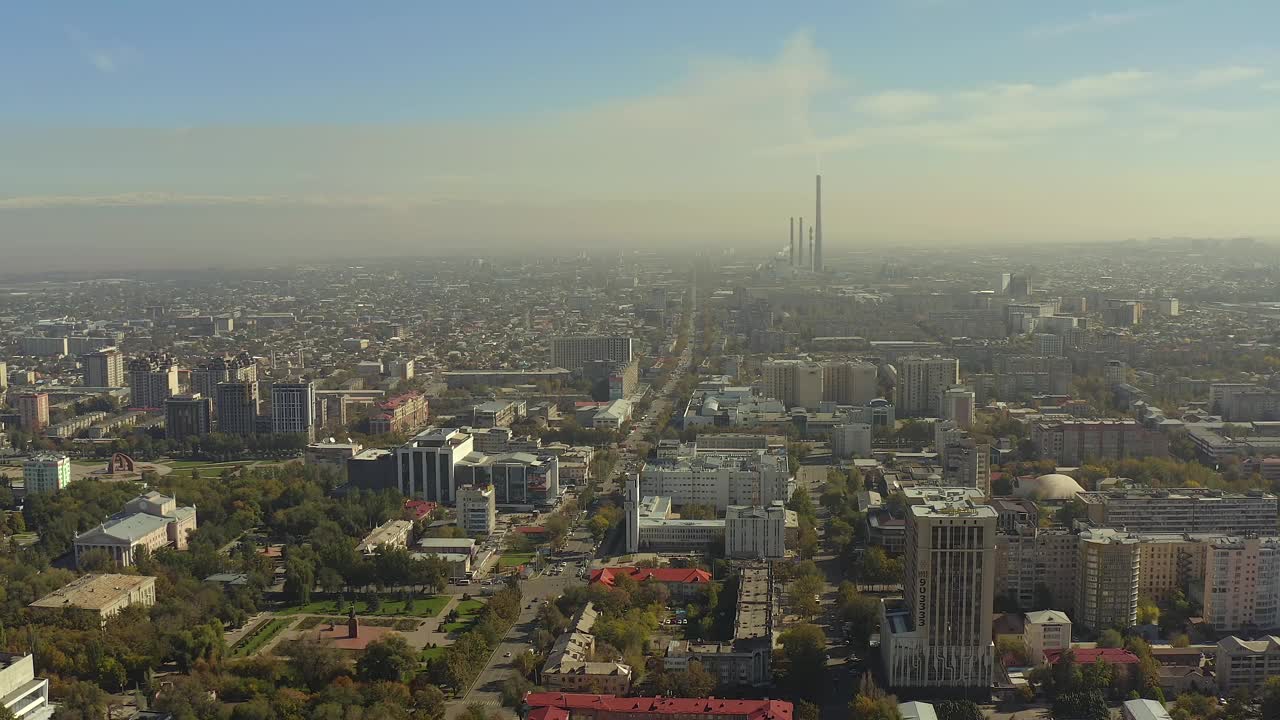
793	241
817	227
801	240
812	257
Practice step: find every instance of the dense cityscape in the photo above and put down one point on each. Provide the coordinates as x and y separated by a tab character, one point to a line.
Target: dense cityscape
1009	484
876	360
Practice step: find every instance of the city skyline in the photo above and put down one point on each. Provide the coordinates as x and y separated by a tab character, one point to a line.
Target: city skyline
933	122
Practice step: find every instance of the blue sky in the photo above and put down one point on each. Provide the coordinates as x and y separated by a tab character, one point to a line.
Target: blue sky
933	120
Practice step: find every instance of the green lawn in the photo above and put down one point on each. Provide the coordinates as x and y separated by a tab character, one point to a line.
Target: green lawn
510	560
428	606
431	653
467	611
260	636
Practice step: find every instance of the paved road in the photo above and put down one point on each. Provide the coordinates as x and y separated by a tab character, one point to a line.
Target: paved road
487	689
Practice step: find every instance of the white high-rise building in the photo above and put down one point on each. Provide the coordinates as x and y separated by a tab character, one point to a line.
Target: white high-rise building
756	532
797	383
921	381
1242	583
477	509
104	368
293	408
939	634
426	465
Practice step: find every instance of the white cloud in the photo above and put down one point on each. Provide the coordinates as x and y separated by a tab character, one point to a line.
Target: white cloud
1092	22
106	59
896	103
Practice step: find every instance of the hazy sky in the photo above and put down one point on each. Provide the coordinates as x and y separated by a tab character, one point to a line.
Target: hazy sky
224	130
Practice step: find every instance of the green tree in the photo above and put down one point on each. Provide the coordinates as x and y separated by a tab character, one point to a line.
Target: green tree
387	658
805	646
958	710
81	701
1111	638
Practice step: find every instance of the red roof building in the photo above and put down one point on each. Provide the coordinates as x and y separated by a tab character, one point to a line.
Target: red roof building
682	582
1088	656
419	508
584	706
401	413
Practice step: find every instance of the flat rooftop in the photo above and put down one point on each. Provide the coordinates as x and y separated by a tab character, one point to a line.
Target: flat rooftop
93	592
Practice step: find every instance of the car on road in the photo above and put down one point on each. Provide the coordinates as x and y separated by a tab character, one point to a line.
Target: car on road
506	655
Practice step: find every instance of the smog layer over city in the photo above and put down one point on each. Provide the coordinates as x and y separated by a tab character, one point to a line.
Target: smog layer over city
893	360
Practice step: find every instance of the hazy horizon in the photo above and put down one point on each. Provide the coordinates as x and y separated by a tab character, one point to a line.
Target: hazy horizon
159	136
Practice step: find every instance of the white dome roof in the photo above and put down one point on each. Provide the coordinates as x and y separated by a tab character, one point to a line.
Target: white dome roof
1054	486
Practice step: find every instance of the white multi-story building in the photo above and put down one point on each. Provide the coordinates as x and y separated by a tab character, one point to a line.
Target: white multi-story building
293	408
1242	583
425	466
1045	630
757	532
46	473
1107	596
851	440
1246	664
720	478
25	696
104	368
1189	510
921	381
477	511
797	383
939	635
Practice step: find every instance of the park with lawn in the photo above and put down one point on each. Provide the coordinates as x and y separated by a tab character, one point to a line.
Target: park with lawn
428	606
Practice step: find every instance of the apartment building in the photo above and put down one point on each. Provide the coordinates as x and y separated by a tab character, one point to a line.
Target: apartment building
237	406
45	473
1031	561
153	378
921	382
747	659
1077	441
33	411
573	352
1188	510
849	382
1246	664
850	440
570	664
477	509
797	383
1242	583
103	368
1108	584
